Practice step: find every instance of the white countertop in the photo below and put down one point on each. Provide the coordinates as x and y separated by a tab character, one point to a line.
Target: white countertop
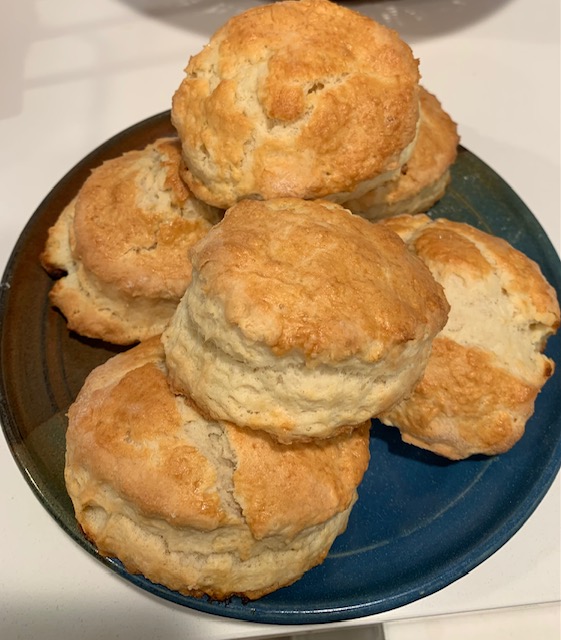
73	74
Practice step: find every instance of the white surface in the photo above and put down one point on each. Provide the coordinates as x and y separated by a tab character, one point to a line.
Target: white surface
76	72
540	622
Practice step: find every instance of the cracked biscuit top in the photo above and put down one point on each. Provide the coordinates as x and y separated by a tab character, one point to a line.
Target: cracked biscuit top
311	277
200	506
122	242
304	99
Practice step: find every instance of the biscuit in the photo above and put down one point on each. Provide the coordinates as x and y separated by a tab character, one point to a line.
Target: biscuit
200	507
121	246
425	177
487	365
303	99
301	319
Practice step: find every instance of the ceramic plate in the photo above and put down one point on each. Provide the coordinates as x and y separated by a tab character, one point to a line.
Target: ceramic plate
420	523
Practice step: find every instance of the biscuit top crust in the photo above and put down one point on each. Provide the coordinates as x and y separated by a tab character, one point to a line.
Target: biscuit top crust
135	220
446	245
123	428
312	277
129	430
297	98
323	475
499	298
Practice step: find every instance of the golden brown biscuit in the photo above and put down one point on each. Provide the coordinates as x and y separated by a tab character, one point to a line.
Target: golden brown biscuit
200	507
122	244
304	99
487	365
425	176
301	319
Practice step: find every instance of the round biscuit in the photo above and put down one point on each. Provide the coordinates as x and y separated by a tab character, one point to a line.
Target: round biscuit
303	99
204	508
487	365
301	319
120	245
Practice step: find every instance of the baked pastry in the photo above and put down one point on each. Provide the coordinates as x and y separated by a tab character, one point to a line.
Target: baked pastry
301	319
424	179
121	246
301	98
487	365
200	507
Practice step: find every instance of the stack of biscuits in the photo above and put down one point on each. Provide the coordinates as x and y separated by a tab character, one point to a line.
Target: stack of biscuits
280	284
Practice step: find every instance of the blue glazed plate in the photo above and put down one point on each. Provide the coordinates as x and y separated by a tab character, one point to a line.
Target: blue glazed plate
420	523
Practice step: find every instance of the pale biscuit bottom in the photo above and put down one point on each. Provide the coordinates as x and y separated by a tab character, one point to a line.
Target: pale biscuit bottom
220	563
375	205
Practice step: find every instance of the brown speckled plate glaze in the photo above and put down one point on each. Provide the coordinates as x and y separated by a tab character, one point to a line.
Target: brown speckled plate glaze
420	523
